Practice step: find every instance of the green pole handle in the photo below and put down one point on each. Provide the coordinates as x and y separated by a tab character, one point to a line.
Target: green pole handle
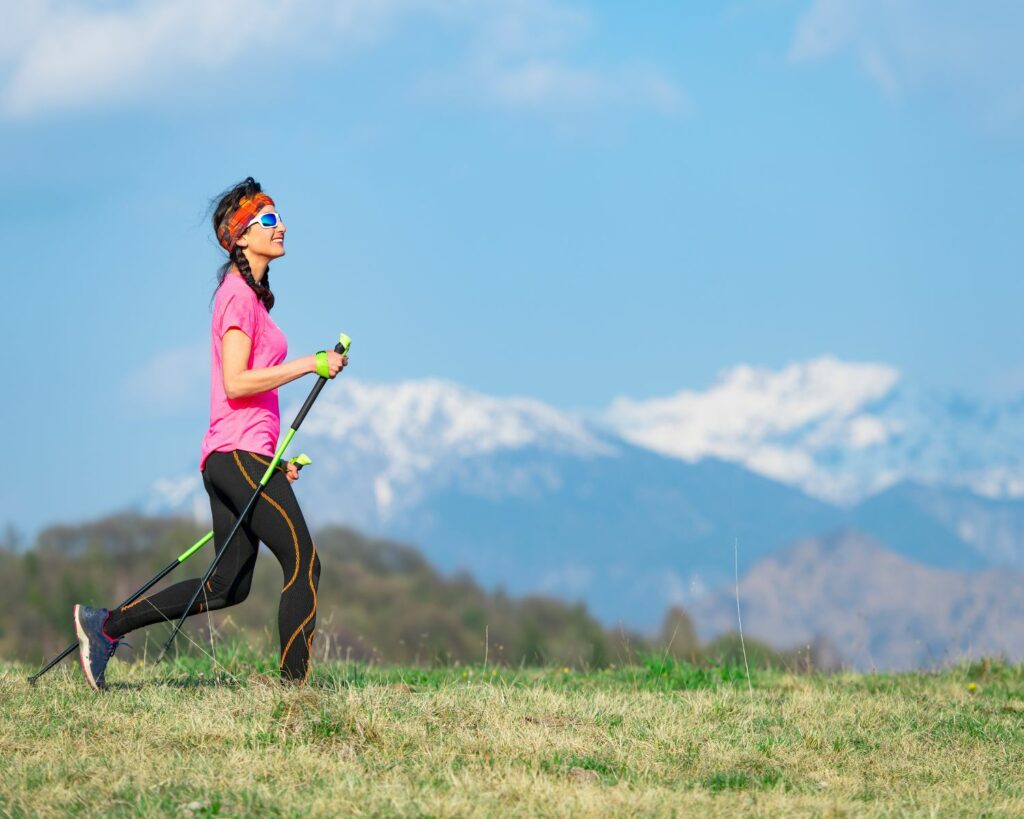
342	348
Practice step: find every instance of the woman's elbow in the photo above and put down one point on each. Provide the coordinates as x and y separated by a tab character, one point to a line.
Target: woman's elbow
232	389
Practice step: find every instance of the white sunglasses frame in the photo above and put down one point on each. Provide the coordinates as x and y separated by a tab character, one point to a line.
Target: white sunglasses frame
256	220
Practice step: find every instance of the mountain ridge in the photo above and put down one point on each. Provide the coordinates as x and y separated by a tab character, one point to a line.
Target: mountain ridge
878	609
530	497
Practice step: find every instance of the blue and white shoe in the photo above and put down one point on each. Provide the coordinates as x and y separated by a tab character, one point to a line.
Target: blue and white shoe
95	648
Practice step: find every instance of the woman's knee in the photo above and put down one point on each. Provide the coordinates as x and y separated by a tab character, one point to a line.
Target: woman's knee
230	591
237	593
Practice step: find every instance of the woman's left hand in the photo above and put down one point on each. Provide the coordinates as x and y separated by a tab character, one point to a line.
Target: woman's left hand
291	472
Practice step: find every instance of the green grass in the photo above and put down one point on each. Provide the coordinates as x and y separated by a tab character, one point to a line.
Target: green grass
663	738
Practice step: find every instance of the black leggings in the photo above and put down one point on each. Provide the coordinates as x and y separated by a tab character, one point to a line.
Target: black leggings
230	479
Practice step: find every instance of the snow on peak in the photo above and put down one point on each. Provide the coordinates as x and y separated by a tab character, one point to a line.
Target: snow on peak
776	422
413	421
184	494
414	430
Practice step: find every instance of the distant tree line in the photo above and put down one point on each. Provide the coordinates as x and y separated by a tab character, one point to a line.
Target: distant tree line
379	601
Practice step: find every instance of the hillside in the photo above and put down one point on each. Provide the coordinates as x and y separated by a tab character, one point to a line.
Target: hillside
377	600
876	608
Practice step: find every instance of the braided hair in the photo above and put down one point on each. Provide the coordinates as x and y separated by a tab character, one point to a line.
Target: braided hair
226	204
260	288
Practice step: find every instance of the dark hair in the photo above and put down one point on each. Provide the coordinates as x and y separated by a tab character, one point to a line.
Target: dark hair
225	205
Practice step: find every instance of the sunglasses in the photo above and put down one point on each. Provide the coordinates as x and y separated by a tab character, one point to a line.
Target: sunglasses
267	220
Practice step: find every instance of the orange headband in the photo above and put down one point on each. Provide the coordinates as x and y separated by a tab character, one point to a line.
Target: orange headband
232	228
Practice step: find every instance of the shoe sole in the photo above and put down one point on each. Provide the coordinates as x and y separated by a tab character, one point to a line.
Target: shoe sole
83	652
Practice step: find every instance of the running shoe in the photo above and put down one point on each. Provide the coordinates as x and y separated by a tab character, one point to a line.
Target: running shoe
95	648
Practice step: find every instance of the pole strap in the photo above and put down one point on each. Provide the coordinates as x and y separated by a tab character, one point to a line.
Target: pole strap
322	368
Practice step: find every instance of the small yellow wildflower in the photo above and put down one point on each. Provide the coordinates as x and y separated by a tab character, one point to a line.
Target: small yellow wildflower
972	687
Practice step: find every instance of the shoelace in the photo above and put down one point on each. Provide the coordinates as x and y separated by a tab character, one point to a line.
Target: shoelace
111	648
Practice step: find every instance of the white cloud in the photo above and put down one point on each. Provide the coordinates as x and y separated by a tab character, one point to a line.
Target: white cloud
968	50
538	84
518	61
169	383
69	54
73	55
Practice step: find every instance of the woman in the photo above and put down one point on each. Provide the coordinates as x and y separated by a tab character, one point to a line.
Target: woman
247	365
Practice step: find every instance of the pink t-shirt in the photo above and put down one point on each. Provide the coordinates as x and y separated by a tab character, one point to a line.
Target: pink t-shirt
252	423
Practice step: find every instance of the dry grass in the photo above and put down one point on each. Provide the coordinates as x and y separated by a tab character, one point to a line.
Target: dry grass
650	741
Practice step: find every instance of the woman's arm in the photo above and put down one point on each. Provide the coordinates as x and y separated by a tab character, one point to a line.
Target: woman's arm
240	381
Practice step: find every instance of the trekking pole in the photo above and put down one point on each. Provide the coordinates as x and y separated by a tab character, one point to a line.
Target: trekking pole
299	461
341	348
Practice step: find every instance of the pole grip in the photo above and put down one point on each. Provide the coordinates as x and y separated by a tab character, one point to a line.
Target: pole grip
341	348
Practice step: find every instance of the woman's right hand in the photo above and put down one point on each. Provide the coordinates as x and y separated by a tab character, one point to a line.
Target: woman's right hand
335	362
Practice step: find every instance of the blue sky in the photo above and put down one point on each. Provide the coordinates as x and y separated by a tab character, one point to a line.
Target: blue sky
566	200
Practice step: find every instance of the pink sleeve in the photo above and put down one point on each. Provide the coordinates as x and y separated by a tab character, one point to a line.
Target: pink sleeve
235	310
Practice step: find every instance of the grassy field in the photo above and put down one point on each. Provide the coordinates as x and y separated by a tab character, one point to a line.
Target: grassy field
658	739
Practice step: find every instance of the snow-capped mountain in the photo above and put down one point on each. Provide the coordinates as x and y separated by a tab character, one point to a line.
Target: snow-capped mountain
839	431
418	435
641	506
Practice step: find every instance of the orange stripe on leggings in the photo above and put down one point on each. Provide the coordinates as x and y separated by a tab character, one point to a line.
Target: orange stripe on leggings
144	599
279	508
266	463
302	625
295	542
132	605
